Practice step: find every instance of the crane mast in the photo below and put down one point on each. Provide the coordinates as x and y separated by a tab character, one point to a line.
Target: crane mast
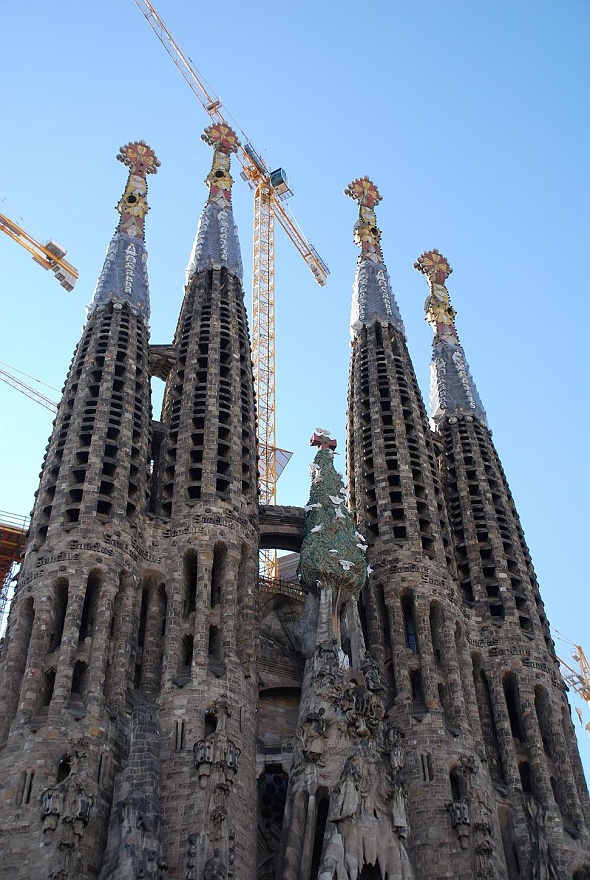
263	326
49	255
271	189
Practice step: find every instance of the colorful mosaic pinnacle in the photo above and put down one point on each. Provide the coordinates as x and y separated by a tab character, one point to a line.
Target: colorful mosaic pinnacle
332	554
141	161
439	312
366	234
224	142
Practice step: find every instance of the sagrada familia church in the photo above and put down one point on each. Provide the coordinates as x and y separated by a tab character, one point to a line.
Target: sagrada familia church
394	712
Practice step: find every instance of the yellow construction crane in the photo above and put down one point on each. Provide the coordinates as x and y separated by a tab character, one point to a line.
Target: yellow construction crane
578	679
49	255
21	386
271	189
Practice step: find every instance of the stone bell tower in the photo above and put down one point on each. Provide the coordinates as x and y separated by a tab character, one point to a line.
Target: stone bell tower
206	500
453	615
396	713
517	705
65	669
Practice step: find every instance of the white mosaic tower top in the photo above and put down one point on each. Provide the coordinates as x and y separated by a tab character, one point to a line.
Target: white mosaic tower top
452	389
372	296
124	274
216	243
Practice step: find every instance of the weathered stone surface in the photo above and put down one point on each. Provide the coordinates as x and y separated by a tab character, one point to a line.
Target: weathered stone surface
165	713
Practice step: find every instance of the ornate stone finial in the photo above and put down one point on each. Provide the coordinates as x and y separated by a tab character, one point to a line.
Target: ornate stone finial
321	438
224	141
366	234
141	161
439	312
434	265
139	158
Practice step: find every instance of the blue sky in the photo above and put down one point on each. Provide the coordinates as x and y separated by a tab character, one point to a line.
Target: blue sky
471	118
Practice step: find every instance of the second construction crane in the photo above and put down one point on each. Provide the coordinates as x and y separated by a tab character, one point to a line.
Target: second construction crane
49	255
577	678
271	189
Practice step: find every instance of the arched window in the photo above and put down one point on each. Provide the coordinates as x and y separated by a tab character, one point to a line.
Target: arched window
409	623
345	634
64	769
79	679
322	810
90	609
513	705
190	583
272	794
26	786
47	686
218	574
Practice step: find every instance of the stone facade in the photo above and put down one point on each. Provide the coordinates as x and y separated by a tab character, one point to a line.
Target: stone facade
167	713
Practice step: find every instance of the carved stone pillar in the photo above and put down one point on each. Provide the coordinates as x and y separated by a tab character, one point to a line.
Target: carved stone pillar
123	658
99	652
308	837
69	645
504	732
203	615
31	686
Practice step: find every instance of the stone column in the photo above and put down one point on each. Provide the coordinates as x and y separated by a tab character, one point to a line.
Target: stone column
17	650
398	647
308	838
38	647
173	636
425	653
152	644
99	650
293	849
67	651
451	663
203	611
123	654
229	605
538	761
467	685
504	732
565	769
576	764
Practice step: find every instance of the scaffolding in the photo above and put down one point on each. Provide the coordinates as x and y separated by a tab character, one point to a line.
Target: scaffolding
13	535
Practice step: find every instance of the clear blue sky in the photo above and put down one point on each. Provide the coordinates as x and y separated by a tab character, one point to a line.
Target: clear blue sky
471	117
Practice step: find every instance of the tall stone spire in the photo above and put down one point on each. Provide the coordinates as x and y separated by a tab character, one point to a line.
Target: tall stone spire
216	243
124	274
372	297
452	389
211	387
80	576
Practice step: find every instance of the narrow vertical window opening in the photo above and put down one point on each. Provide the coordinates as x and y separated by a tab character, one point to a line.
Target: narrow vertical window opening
409	624
190	580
